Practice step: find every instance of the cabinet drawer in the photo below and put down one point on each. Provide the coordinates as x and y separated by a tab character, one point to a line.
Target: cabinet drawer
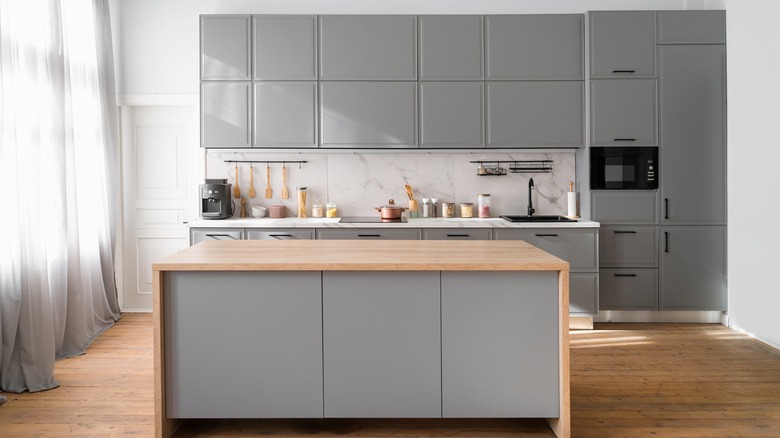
280	234
578	247
583	294
369	234
624	207
624	112
199	235
633	289
628	246
456	234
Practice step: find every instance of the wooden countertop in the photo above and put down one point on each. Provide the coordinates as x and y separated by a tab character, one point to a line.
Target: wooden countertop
353	255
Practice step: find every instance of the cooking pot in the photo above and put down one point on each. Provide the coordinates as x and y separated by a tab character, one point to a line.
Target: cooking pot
390	211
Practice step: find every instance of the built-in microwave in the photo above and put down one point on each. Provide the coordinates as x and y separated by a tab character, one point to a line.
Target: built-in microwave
624	168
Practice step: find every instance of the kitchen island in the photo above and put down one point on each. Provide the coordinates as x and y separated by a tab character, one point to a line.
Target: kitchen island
356	329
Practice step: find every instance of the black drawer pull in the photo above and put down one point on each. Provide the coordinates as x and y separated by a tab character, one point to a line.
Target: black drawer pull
666	241
624	232
623	139
280	235
623	71
216	236
458	235
546	235
625	275
369	235
666	208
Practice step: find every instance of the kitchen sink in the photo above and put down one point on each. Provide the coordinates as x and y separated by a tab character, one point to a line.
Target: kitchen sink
538	218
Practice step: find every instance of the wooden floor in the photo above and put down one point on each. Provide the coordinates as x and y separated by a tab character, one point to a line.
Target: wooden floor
628	380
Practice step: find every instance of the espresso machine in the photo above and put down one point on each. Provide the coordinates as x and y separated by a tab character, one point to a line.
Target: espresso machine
215	202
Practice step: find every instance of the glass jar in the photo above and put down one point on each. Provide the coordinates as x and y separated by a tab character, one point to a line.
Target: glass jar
414	209
466	209
331	210
448	209
434	207
301	202
317	210
483	204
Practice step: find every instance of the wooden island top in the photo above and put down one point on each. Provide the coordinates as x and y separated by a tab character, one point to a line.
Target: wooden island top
352	255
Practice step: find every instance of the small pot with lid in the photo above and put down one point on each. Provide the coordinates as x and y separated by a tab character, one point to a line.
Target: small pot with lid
390	211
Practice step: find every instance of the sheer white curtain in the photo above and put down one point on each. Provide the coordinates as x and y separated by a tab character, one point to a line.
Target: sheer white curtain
59	183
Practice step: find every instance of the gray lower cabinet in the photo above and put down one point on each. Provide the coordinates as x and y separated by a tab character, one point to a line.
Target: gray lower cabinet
692	90
456	234
623	112
624	206
224	48
381	337
285	47
368	47
692	268
450	47
625	245
534	114
451	115
691	27
584	293
486	334
280	234
200	234
628	289
368	234
534	47
285	114
622	44
224	114
263	361
368	114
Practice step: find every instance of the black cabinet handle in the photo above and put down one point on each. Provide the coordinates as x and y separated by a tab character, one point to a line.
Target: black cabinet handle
666	241
666	208
546	235
279	235
624	232
623	139
458	235
623	71
216	236
369	235
625	275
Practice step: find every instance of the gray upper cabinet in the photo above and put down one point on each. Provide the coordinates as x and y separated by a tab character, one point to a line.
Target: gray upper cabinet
224	47
692	27
285	114
368	114
535	114
224	114
285	47
450	47
693	142
534	47
451	115
623	112
692	268
622	44
368	47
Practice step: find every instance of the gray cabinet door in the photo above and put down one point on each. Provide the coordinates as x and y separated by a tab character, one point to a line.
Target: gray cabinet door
262	358
583	294
368	234
280	234
579	247
624	207
368	114
285	114
622	44
628	289
200	234
486	334
534	114
456	234
633	246
693	134
285	47
224	48
534	47
691	27
451	115
623	112
450	47
224	114
381	337
692	268
368	47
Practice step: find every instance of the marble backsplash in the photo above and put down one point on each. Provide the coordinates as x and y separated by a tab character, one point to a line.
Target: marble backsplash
358	182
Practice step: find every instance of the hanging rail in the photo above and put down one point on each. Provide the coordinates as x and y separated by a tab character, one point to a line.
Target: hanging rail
298	162
493	167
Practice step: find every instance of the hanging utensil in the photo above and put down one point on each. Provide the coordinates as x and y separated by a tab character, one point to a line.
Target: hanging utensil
285	193
236	190
268	192
251	181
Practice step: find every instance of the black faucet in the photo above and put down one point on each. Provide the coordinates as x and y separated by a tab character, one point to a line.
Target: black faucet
531	210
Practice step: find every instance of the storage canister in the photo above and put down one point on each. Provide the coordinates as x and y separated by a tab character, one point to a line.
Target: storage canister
448	209
466	209
483	204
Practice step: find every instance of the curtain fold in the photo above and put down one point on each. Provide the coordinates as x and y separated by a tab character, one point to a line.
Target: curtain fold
60	173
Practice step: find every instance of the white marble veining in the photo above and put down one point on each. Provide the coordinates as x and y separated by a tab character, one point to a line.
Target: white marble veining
358	182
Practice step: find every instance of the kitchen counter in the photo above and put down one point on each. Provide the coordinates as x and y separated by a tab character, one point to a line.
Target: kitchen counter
352	329
411	223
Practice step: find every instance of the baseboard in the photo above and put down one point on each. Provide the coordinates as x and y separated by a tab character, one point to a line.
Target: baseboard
678	316
136	310
581	323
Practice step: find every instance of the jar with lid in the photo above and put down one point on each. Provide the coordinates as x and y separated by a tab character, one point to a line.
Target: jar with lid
434	207
483	204
317	210
331	210
301	202
448	209
466	209
426	207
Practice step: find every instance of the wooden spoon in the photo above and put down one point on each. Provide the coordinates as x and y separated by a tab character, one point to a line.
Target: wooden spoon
236	190
251	182
268	192
285	193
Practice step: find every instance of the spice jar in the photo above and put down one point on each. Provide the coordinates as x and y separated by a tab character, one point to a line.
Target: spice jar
331	210
448	209
434	207
426	207
301	201
483	204
317	210
466	209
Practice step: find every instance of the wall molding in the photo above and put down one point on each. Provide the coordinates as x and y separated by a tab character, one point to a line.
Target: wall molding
168	99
